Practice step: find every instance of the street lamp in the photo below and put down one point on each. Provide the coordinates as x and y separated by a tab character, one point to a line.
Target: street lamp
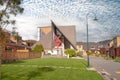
95	19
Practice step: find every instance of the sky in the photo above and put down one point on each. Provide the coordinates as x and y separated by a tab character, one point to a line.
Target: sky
39	13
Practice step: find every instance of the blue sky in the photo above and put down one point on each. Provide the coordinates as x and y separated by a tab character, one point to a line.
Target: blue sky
38	13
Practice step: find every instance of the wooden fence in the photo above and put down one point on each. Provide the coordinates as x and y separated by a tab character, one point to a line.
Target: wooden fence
9	56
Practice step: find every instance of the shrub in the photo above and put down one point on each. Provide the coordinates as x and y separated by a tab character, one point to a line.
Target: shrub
89	53
48	53
38	48
79	54
71	52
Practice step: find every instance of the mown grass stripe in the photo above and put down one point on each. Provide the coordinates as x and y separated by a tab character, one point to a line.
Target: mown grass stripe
45	66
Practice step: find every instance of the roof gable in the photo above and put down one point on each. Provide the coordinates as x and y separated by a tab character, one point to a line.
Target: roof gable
68	32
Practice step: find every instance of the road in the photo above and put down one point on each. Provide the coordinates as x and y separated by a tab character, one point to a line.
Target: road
109	67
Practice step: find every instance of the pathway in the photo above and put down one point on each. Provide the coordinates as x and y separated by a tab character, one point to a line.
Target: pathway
106	67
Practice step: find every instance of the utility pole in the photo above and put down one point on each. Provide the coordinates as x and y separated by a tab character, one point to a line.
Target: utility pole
88	58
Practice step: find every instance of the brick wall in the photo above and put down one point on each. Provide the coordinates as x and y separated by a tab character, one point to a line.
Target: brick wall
9	56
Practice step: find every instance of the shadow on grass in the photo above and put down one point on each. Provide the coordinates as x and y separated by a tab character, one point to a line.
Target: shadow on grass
37	72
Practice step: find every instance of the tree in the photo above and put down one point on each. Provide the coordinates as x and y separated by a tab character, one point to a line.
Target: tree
38	48
8	8
15	34
71	52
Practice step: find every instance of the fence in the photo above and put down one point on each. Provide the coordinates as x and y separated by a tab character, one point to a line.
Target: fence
9	56
114	52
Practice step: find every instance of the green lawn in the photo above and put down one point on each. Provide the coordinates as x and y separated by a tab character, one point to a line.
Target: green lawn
48	69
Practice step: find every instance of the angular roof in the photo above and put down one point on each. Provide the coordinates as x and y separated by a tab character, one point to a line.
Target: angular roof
69	33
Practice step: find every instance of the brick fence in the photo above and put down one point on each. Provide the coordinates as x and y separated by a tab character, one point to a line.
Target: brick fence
9	56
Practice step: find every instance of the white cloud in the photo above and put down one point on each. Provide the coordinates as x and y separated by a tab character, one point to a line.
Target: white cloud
26	26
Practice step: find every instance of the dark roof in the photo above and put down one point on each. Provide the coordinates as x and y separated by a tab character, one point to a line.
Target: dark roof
18	45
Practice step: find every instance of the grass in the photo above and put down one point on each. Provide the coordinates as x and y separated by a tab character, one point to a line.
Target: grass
52	62
117	59
48	69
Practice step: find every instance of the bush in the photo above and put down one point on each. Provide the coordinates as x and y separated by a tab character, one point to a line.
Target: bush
79	54
48	53
71	52
90	53
38	48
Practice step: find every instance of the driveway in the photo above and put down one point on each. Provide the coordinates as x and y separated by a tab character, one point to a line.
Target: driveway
107	67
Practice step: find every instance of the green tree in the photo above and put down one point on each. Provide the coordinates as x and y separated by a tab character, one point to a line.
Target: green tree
38	48
71	52
9	8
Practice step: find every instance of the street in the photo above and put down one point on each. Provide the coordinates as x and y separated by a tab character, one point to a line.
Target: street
111	68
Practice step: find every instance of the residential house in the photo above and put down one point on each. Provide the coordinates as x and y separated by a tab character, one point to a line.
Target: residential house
93	47
55	39
116	42
114	45
81	50
12	44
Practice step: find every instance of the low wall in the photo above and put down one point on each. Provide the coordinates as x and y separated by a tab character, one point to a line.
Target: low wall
114	52
12	56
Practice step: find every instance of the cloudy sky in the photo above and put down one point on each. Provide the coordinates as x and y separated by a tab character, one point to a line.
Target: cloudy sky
38	13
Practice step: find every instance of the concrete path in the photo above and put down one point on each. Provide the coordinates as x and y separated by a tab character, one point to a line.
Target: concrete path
108	68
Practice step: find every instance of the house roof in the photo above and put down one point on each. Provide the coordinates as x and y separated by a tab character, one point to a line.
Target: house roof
116	37
18	45
68	32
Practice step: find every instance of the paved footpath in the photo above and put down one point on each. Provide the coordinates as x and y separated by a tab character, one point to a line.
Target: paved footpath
108	68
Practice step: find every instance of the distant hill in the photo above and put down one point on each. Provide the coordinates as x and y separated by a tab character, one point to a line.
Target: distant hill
95	45
104	43
91	45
